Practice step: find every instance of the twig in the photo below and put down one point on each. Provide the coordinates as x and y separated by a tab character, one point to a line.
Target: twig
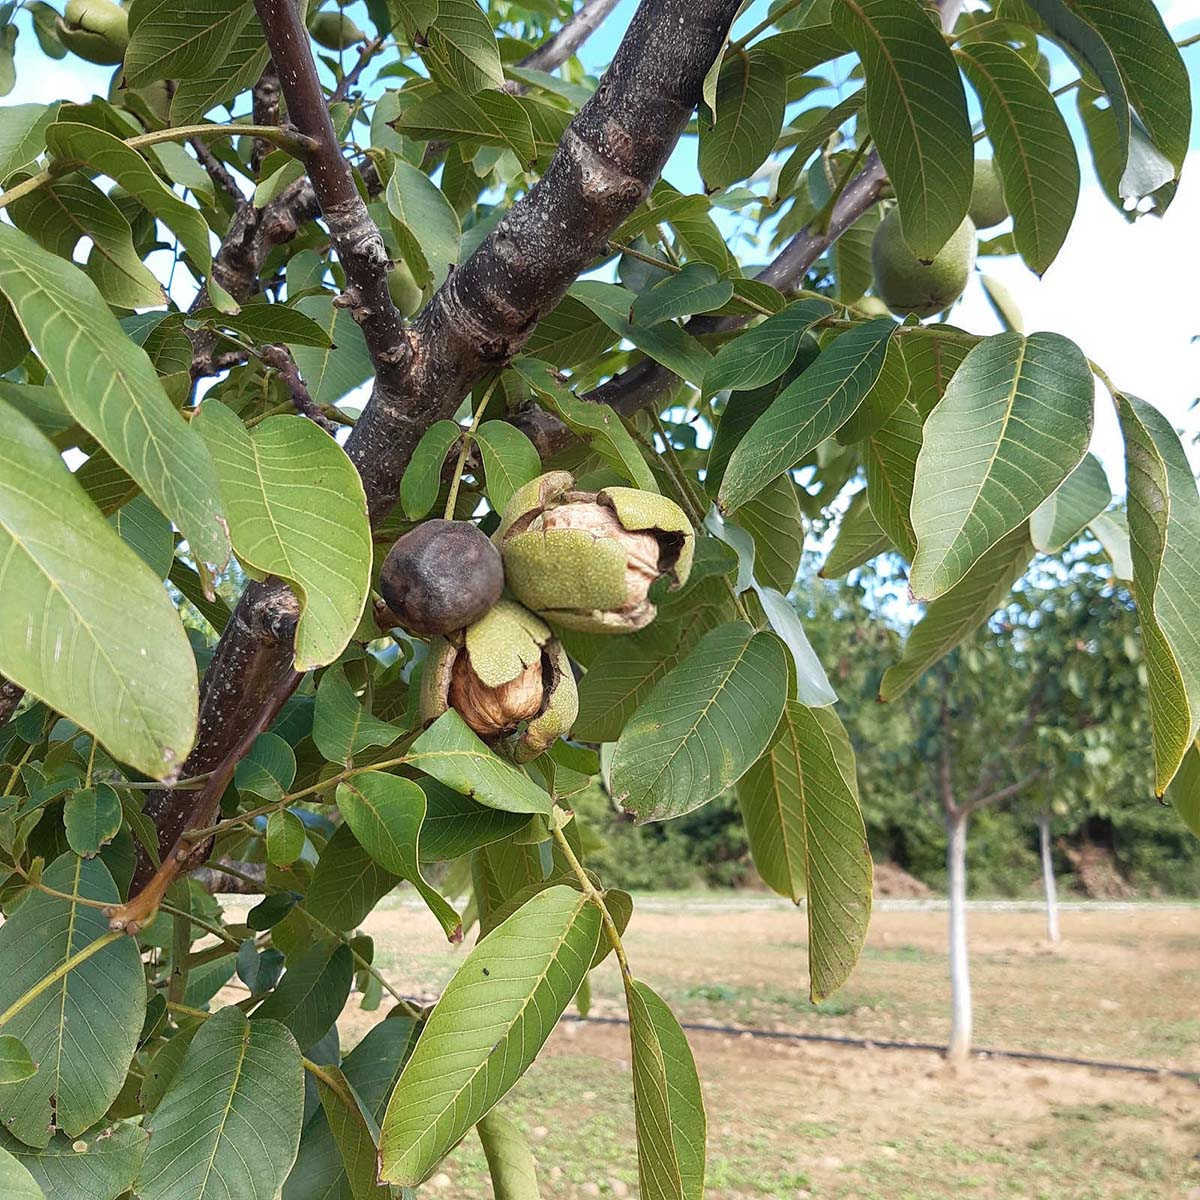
217	171
280	358
597	898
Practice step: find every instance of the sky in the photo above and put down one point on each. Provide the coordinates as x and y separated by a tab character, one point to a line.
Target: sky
1126	293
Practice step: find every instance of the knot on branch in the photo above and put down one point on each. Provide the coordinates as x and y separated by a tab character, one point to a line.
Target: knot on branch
276	614
603	173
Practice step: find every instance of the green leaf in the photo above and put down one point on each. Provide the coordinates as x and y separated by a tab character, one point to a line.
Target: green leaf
1014	423
386	812
750	100
667	343
510	460
454	824
102	1168
1062	517
23	134
347	883
423	476
460	50
891	463
104	153
1111	530
229	1124
917	114
15	1063
111	389
92	817
486	1028
426	225
179	39
1039	170
668	1105
296	509
240	69
859	539
775	521
268	769
806	832
83	1029
887	394
332	372
450	752
1151	67
1164	539
932	353
84	625
763	352
809	132
15	1179
1183	792
312	993
1139	168
266	323
285	838
806	412
487	118
956	614
696	288
371	1069
71	208
597	424
509	1159
703	725
355	1133
147	532
342	727
569	334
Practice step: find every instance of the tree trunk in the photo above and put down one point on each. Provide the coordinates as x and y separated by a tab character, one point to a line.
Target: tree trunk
960	976
1052	931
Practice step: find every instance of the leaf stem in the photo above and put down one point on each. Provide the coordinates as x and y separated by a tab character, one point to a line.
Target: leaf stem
197	835
63	969
596	897
467	438
286	139
821	220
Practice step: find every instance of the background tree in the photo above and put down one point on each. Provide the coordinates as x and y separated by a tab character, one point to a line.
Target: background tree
643	454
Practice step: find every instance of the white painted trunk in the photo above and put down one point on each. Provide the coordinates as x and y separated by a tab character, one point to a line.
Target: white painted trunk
960	974
1052	931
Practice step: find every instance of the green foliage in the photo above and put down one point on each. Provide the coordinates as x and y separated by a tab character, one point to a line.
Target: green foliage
197	368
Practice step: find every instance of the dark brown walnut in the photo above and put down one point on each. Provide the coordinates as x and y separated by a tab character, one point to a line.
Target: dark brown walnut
440	577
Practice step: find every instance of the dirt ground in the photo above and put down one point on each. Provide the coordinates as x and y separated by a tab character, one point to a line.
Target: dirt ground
795	1120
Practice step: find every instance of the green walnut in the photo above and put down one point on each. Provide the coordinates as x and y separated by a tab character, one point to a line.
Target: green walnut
335	31
508	677
95	30
987	206
441	576
909	286
587	560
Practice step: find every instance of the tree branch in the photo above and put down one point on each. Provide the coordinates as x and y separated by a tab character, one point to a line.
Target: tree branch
609	158
280	358
1004	793
583	23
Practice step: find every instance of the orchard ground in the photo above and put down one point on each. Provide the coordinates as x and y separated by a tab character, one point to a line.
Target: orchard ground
793	1120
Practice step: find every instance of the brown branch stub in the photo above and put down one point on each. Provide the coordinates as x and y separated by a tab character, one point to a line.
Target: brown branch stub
10	697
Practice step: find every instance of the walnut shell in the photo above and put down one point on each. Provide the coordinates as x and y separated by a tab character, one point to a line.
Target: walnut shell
440	577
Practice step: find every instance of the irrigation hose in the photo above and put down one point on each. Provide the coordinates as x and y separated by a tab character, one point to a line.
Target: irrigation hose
836	1039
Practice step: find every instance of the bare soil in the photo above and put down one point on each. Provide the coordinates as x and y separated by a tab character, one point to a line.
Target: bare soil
798	1120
